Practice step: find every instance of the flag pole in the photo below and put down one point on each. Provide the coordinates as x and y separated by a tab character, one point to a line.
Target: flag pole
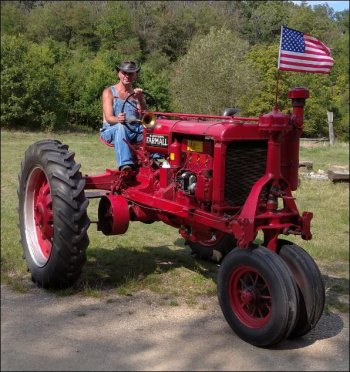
276	97
278	69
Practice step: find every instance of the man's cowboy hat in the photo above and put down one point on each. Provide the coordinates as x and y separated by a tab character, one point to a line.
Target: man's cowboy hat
128	66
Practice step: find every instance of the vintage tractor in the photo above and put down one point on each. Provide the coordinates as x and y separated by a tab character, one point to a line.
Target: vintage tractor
220	180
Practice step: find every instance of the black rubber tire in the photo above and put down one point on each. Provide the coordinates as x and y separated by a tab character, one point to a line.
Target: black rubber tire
205	249
310	284
258	295
53	217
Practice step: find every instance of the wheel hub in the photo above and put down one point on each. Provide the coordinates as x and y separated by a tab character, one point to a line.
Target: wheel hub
43	212
248	297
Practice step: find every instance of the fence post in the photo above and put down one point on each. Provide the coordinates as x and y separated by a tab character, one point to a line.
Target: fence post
330	127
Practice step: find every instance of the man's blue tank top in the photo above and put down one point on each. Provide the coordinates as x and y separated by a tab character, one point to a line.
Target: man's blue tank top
118	104
129	109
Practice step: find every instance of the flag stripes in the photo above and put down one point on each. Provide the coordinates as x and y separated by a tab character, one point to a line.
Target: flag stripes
303	53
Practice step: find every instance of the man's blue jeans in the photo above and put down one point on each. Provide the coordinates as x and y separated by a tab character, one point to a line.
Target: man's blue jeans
119	135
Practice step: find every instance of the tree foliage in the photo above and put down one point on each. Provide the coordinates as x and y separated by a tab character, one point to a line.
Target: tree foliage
29	90
214	74
196	56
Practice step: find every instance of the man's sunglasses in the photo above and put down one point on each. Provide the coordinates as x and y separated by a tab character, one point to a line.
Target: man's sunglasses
127	73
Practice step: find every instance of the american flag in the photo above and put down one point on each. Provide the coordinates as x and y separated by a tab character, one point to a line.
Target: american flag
303	53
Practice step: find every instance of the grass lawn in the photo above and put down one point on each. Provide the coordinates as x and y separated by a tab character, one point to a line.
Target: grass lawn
154	256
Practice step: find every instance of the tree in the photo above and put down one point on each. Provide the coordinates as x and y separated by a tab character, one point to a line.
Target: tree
213	74
29	94
13	20
114	28
82	80
72	22
264	22
199	56
340	76
263	60
316	22
156	82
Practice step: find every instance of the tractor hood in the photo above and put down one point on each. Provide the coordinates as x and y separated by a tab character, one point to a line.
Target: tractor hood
219	130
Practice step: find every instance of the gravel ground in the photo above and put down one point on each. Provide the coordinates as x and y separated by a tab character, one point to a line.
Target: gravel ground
42	331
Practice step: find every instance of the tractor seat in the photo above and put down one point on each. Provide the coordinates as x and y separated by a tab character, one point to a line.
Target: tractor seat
105	142
137	145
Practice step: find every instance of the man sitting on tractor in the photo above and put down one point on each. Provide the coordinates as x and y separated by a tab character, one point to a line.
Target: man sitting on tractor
117	111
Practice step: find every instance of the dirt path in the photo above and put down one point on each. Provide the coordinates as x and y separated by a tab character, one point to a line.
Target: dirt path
41	331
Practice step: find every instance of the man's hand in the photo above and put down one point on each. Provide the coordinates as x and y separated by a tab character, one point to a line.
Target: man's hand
139	94
121	117
142	105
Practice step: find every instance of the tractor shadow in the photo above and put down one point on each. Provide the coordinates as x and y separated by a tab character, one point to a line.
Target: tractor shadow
108	269
127	270
331	322
330	325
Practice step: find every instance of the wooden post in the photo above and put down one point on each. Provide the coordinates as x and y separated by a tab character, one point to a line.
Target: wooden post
330	127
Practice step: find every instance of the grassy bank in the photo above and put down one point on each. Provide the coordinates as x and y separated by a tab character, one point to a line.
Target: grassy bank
153	256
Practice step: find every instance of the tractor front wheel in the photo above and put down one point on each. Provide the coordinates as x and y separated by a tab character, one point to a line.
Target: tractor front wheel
52	214
310	284
258	295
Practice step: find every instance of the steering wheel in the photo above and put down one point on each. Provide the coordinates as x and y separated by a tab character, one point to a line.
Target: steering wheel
152	101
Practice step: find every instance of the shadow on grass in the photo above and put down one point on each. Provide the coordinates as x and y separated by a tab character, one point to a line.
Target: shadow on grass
110	269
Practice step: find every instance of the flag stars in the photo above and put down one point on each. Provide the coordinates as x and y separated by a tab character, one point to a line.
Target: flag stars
293	41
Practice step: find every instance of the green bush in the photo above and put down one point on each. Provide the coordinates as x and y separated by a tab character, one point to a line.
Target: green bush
214	74
29	91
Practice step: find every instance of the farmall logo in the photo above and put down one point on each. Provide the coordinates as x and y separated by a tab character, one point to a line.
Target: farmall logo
157	140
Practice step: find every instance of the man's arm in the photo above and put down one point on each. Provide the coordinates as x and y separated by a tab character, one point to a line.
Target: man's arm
107	107
142	105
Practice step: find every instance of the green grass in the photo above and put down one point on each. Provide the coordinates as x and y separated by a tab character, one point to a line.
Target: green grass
325	157
153	257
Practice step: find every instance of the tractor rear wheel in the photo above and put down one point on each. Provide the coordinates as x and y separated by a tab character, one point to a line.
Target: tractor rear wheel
310	284
214	249
53	217
258	295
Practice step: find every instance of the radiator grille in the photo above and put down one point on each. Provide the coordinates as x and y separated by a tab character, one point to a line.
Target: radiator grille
245	164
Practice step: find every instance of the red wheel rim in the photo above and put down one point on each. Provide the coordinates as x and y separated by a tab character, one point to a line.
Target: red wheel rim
43	215
38	216
249	296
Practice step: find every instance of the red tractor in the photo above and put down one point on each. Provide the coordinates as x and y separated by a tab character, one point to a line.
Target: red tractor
219	180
